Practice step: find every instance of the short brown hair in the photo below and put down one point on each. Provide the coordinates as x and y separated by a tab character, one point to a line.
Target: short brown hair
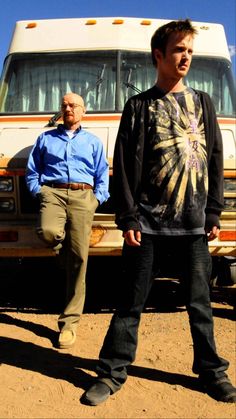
161	36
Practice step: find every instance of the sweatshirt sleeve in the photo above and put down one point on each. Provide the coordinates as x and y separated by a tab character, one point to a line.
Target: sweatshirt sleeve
123	163
215	199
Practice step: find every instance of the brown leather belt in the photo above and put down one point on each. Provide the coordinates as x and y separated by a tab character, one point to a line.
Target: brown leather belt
73	186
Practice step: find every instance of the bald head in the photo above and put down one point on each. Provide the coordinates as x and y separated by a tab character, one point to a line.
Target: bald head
73	98
73	109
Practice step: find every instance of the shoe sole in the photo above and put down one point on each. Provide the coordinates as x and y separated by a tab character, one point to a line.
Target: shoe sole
91	403
66	346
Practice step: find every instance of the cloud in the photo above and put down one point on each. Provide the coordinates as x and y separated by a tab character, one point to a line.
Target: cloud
232	50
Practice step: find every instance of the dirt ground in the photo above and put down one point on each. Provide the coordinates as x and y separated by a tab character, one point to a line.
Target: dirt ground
40	381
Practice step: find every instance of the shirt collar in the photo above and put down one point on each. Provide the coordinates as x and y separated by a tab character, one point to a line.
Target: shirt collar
61	128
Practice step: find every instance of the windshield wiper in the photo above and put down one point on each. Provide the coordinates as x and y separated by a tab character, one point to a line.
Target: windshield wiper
99	81
130	85
54	119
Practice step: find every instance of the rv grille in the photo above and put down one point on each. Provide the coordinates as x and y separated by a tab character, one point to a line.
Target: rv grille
28	204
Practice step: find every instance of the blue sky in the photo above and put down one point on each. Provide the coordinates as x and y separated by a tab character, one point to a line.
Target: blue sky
216	11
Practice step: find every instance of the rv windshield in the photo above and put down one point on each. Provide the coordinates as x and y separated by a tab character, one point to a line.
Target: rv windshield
35	83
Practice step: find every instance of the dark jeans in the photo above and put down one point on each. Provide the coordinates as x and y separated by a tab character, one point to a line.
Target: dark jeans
120	343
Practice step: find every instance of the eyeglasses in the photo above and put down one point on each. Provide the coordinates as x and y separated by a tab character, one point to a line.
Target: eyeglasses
71	105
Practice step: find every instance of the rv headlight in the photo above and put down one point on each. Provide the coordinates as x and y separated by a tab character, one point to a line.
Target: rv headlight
230	185
7	205
6	184
230	204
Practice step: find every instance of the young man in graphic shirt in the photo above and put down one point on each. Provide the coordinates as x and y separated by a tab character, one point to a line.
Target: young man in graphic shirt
168	194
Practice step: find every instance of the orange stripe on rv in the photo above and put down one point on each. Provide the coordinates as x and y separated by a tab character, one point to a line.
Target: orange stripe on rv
87	117
101	118
12	172
43	119
229	174
227	121
23	118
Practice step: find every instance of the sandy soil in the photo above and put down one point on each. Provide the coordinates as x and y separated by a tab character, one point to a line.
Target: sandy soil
40	381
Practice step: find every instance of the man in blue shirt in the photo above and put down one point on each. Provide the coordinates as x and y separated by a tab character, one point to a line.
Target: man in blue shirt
68	171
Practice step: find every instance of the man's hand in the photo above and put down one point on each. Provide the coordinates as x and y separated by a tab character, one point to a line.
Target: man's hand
132	237
213	233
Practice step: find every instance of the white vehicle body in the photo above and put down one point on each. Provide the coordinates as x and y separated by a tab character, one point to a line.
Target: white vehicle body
106	60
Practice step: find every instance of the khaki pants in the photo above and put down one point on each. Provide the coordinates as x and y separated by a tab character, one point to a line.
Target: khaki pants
64	212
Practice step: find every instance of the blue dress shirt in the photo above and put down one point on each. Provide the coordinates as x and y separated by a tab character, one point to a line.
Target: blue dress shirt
57	158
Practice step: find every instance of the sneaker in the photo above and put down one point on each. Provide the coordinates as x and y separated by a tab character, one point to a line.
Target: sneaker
221	390
97	394
57	248
66	339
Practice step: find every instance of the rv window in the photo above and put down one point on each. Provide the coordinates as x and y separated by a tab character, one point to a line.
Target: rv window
214	77
35	83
